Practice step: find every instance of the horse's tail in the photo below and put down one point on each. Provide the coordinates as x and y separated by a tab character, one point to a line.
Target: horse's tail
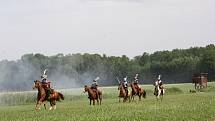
144	94
100	94
61	95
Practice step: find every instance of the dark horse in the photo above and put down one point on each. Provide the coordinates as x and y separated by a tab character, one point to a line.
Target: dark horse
42	96
122	93
200	80
94	95
137	91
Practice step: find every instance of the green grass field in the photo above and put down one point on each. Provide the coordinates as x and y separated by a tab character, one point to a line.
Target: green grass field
178	105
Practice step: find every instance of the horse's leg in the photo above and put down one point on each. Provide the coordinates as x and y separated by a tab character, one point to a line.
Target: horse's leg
162	92
100	101
38	105
51	104
132	97
100	98
140	97
54	105
93	101
97	101
129	98
158	96
124	99
195	86
44	104
90	101
198	87
39	102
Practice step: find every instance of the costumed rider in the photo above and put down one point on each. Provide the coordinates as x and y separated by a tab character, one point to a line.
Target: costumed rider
125	85
158	84
46	84
95	85
136	82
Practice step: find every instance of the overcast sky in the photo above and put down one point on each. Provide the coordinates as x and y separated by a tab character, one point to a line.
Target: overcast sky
112	27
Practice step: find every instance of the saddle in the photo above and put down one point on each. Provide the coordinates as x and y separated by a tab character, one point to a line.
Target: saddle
46	85
95	90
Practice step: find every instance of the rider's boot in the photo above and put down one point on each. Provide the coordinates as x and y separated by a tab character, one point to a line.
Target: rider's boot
49	92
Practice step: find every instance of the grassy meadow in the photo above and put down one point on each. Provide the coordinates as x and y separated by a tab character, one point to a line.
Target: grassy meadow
178	105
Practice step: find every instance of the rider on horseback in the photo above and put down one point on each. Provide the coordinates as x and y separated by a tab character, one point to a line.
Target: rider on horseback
136	82
95	85
46	84
158	84
125	85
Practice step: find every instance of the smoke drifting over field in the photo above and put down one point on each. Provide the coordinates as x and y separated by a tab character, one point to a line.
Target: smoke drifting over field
19	75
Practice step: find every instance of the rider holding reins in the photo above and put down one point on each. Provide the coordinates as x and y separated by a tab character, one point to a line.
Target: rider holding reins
125	85
158	84
95	85
136	82
46	84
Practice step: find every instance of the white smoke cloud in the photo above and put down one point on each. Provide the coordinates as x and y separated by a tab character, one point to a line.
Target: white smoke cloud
19	75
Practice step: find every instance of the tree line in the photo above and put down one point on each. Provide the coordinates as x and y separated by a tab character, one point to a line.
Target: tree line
75	70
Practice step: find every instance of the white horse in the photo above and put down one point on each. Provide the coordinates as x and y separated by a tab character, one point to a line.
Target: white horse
159	92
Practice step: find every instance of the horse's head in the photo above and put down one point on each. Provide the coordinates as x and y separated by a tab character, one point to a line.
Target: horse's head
37	84
119	86
86	88
130	84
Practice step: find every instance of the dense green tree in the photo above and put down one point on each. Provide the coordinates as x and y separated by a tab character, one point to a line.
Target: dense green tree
75	70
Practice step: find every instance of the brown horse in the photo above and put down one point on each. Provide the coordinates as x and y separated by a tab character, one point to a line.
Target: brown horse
42	96
122	93
200	80
94	95
137	91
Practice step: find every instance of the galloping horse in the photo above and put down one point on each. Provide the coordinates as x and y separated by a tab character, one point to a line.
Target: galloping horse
42	96
122	93
93	94
136	91
159	92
